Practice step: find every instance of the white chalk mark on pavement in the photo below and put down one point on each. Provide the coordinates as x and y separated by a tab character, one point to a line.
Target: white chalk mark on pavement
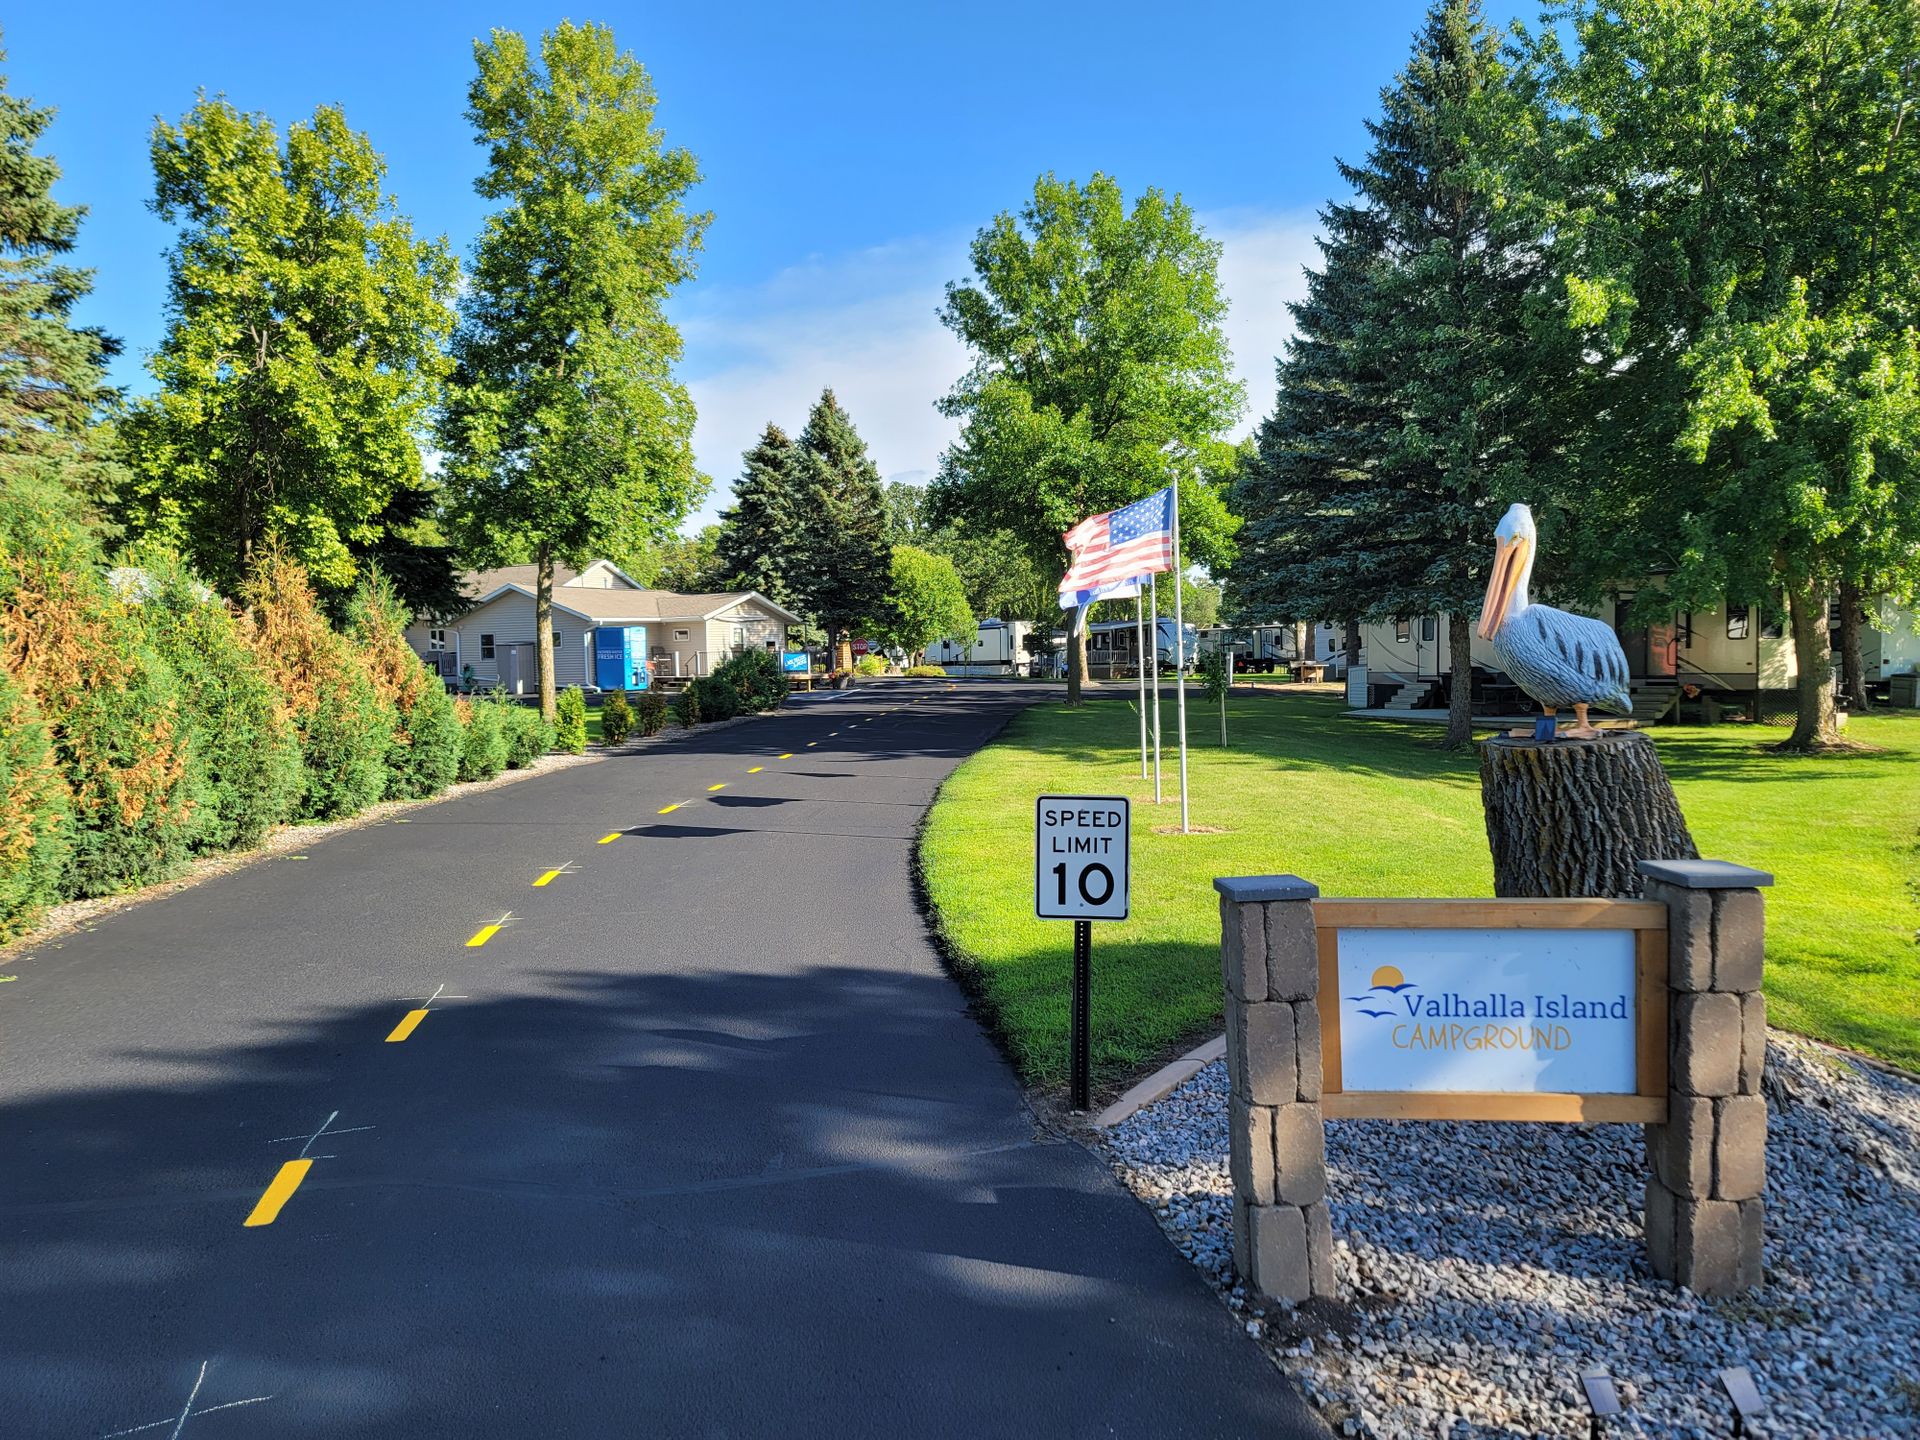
187	1412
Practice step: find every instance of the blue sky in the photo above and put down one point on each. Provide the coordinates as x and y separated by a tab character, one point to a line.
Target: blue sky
849	151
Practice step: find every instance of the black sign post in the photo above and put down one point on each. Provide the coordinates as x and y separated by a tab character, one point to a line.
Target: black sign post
1080	873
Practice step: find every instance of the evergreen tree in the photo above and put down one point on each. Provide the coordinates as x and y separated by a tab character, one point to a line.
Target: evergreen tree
1433	365
566	432
303	353
52	372
762	534
843	564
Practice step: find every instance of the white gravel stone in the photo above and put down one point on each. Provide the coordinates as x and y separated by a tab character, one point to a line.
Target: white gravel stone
1482	1266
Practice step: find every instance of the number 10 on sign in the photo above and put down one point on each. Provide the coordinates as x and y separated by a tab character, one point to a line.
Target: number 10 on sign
1080	873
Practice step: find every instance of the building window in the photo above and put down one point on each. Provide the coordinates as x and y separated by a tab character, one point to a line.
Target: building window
683	635
1737	622
486	647
437	639
1403	629
739	634
1429	627
559	638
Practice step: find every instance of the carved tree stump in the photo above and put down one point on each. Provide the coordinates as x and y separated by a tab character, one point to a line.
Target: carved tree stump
1574	817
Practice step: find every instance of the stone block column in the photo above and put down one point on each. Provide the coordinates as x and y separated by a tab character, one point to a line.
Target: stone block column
1708	1163
1270	962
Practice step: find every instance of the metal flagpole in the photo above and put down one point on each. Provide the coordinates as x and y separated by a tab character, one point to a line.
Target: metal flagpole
1140	632
1180	655
1153	587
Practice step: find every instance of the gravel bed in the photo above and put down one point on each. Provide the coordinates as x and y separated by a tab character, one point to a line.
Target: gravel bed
1482	1266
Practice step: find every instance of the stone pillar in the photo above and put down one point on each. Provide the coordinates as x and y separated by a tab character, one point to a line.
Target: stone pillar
1270	959
1708	1163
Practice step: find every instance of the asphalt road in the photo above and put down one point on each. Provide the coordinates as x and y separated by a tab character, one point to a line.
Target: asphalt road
700	1142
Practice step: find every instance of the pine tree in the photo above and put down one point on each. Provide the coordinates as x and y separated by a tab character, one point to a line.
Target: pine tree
844	563
1423	391
760	544
52	372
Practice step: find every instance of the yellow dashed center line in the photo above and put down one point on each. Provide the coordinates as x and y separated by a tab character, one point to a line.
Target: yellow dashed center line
608	839
279	1192
669	809
547	878
787	756
812	743
721	786
755	769
406	1026
482	935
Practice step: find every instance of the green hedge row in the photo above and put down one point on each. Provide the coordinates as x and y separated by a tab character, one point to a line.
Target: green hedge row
143	719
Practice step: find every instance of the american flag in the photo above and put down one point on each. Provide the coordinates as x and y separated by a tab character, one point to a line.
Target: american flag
1121	546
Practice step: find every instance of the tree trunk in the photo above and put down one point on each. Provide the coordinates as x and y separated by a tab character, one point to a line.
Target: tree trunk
1575	817
1852	661
543	629
1353	642
1076	655
1813	725
1460	688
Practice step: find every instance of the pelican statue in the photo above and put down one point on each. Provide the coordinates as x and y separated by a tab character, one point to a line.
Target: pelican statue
1557	658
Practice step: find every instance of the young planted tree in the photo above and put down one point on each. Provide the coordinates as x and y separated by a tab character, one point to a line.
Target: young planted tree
1742	248
925	602
565	430
1096	338
842	563
303	354
762	535
52	372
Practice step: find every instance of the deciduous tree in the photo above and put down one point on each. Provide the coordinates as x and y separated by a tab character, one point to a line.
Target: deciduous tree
303	353
1096	336
566	430
925	602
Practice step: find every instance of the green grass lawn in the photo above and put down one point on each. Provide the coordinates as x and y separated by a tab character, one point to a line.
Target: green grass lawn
1365	808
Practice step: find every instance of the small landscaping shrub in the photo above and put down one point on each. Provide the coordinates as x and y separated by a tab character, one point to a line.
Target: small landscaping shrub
650	712
717	699
757	676
344	726
528	735
570	721
927	672
110	703
870	665
423	752
616	718
686	708
244	756
35	812
483	740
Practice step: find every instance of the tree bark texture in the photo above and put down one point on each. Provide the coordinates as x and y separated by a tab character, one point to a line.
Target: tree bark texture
1814	724
1852	612
1571	818
1353	641
1460	688
543	629
1076	655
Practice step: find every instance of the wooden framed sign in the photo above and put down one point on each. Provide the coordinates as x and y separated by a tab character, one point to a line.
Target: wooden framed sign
1493	1009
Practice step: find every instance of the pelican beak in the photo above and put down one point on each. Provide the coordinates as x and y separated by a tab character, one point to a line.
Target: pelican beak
1509	561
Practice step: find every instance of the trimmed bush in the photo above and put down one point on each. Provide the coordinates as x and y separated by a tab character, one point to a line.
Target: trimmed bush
36	812
650	712
758	679
716	699
345	729
423	751
483	740
110	703
870	665
616	718
528	735
926	672
686	708
570	721
244	756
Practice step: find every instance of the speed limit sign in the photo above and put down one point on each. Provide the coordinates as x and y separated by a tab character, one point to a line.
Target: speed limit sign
1080	857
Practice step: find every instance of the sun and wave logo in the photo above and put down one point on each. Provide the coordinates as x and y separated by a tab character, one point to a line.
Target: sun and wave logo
1387	981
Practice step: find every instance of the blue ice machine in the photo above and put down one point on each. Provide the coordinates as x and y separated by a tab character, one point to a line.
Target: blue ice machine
620	657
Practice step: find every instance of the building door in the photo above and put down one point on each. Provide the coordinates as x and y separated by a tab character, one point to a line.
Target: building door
517	669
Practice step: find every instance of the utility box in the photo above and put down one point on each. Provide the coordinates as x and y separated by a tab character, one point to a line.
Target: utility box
620	657
1904	691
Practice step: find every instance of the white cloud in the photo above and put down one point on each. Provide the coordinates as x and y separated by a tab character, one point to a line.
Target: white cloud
866	325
